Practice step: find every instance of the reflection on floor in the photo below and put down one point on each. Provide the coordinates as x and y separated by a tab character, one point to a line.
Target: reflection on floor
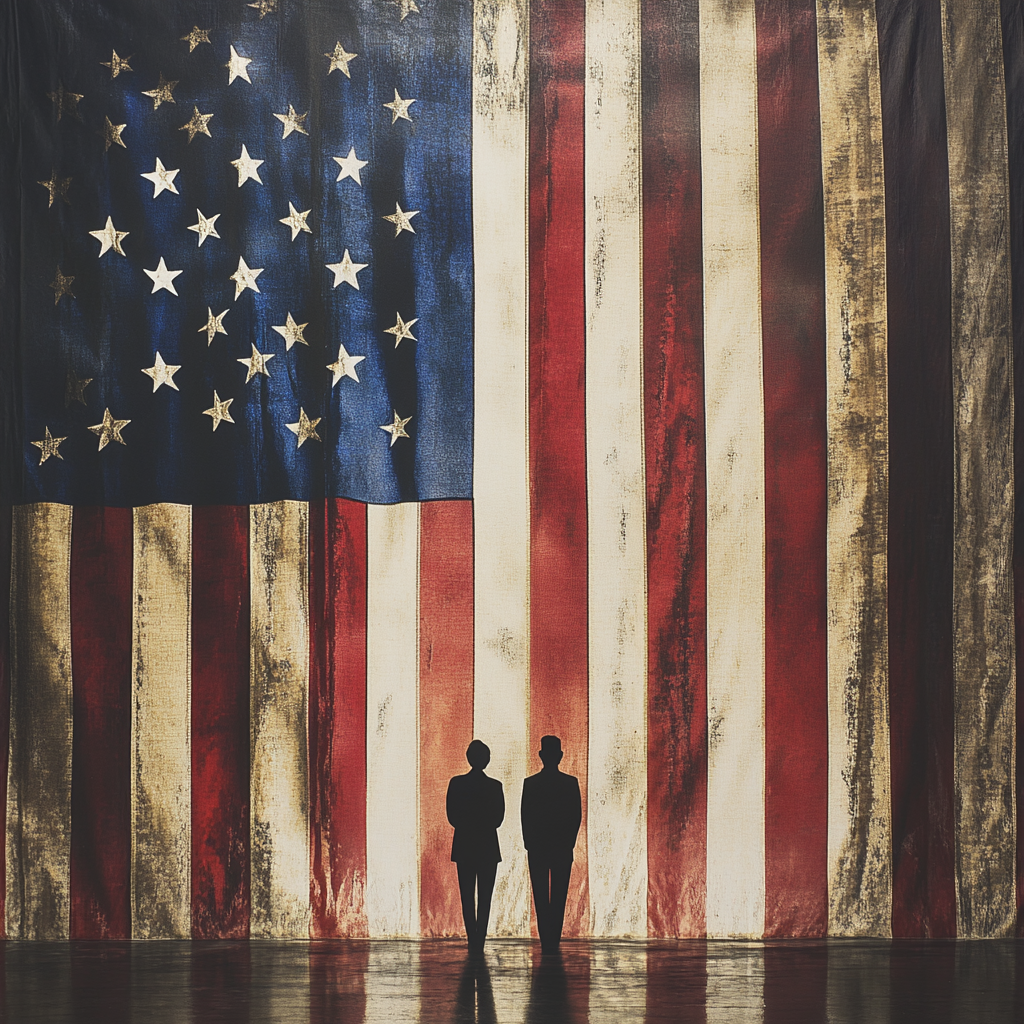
351	982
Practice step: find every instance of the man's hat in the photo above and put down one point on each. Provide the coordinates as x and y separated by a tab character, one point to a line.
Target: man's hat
550	744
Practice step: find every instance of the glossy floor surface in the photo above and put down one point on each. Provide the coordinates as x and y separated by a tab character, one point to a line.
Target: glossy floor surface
351	982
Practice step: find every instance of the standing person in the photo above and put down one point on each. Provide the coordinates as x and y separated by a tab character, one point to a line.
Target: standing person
551	813
476	807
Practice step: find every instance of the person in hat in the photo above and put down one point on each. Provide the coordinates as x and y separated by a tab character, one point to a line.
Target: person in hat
551	813
476	807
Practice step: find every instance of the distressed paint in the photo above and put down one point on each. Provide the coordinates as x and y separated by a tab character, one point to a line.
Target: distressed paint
279	684
161	765
616	498
859	817
983	626
734	417
38	890
501	503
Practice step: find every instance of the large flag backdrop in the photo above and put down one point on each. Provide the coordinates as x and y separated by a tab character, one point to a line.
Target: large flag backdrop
641	371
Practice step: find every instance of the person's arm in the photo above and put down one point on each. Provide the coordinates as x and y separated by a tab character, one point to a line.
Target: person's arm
452	806
525	818
499	805
576	817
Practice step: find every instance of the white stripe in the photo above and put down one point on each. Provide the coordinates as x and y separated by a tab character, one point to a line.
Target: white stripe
501	505
161	781
734	404
392	720
616	534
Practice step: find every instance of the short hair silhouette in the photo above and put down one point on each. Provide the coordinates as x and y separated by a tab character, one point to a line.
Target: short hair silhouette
478	754
550	751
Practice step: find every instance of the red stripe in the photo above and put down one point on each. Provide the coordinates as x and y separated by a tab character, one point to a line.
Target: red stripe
337	717
220	722
445	697
677	983
559	687
793	331
101	670
676	491
5	695
920	563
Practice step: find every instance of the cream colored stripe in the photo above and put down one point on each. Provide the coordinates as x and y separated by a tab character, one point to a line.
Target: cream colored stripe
161	789
279	685
39	770
392	719
859	818
616	502
501	503
734	412
983	628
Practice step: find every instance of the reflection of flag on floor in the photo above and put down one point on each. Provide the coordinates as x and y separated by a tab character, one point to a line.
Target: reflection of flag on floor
740	527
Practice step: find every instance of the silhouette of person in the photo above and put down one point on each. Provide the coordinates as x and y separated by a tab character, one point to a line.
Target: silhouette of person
551	814
476	807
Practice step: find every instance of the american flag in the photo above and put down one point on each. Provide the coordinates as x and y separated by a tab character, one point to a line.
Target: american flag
378	374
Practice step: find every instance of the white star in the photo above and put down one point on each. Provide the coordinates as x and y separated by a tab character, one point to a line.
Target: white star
340	60
296	221
205	227
396	429
246	167
163	93
405	8
292	122
110	238
219	413
163	179
50	445
305	428
256	363
345	366
399	108
291	332
400	218
238	67
162	277
346	271
161	373
401	329
109	430
214	325
350	166
245	277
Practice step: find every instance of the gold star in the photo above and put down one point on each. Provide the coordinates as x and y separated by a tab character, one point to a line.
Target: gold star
296	221
112	133
265	7
219	413
74	389
116	64
57	187
399	108
198	123
238	66
195	37
50	445
305	428
162	93
345	366
396	429
291	332
401	329
245	277
246	167
214	325
110	238
205	228
61	286
292	122
346	271
163	179
350	166
161	373
340	60
256	363
401	220
66	102
162	277
109	430
405	8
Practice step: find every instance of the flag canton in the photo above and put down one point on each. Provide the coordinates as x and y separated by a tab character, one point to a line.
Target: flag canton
239	268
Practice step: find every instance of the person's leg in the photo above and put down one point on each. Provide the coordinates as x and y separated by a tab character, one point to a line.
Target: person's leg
541	899
485	874
467	890
559	893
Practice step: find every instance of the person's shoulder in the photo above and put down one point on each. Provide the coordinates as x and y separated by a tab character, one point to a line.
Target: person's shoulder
531	780
493	782
457	781
570	781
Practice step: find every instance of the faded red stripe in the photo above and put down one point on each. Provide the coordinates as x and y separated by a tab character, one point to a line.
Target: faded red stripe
5	695
795	463
445	696
101	660
920	547
220	722
559	686
676	491
337	717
